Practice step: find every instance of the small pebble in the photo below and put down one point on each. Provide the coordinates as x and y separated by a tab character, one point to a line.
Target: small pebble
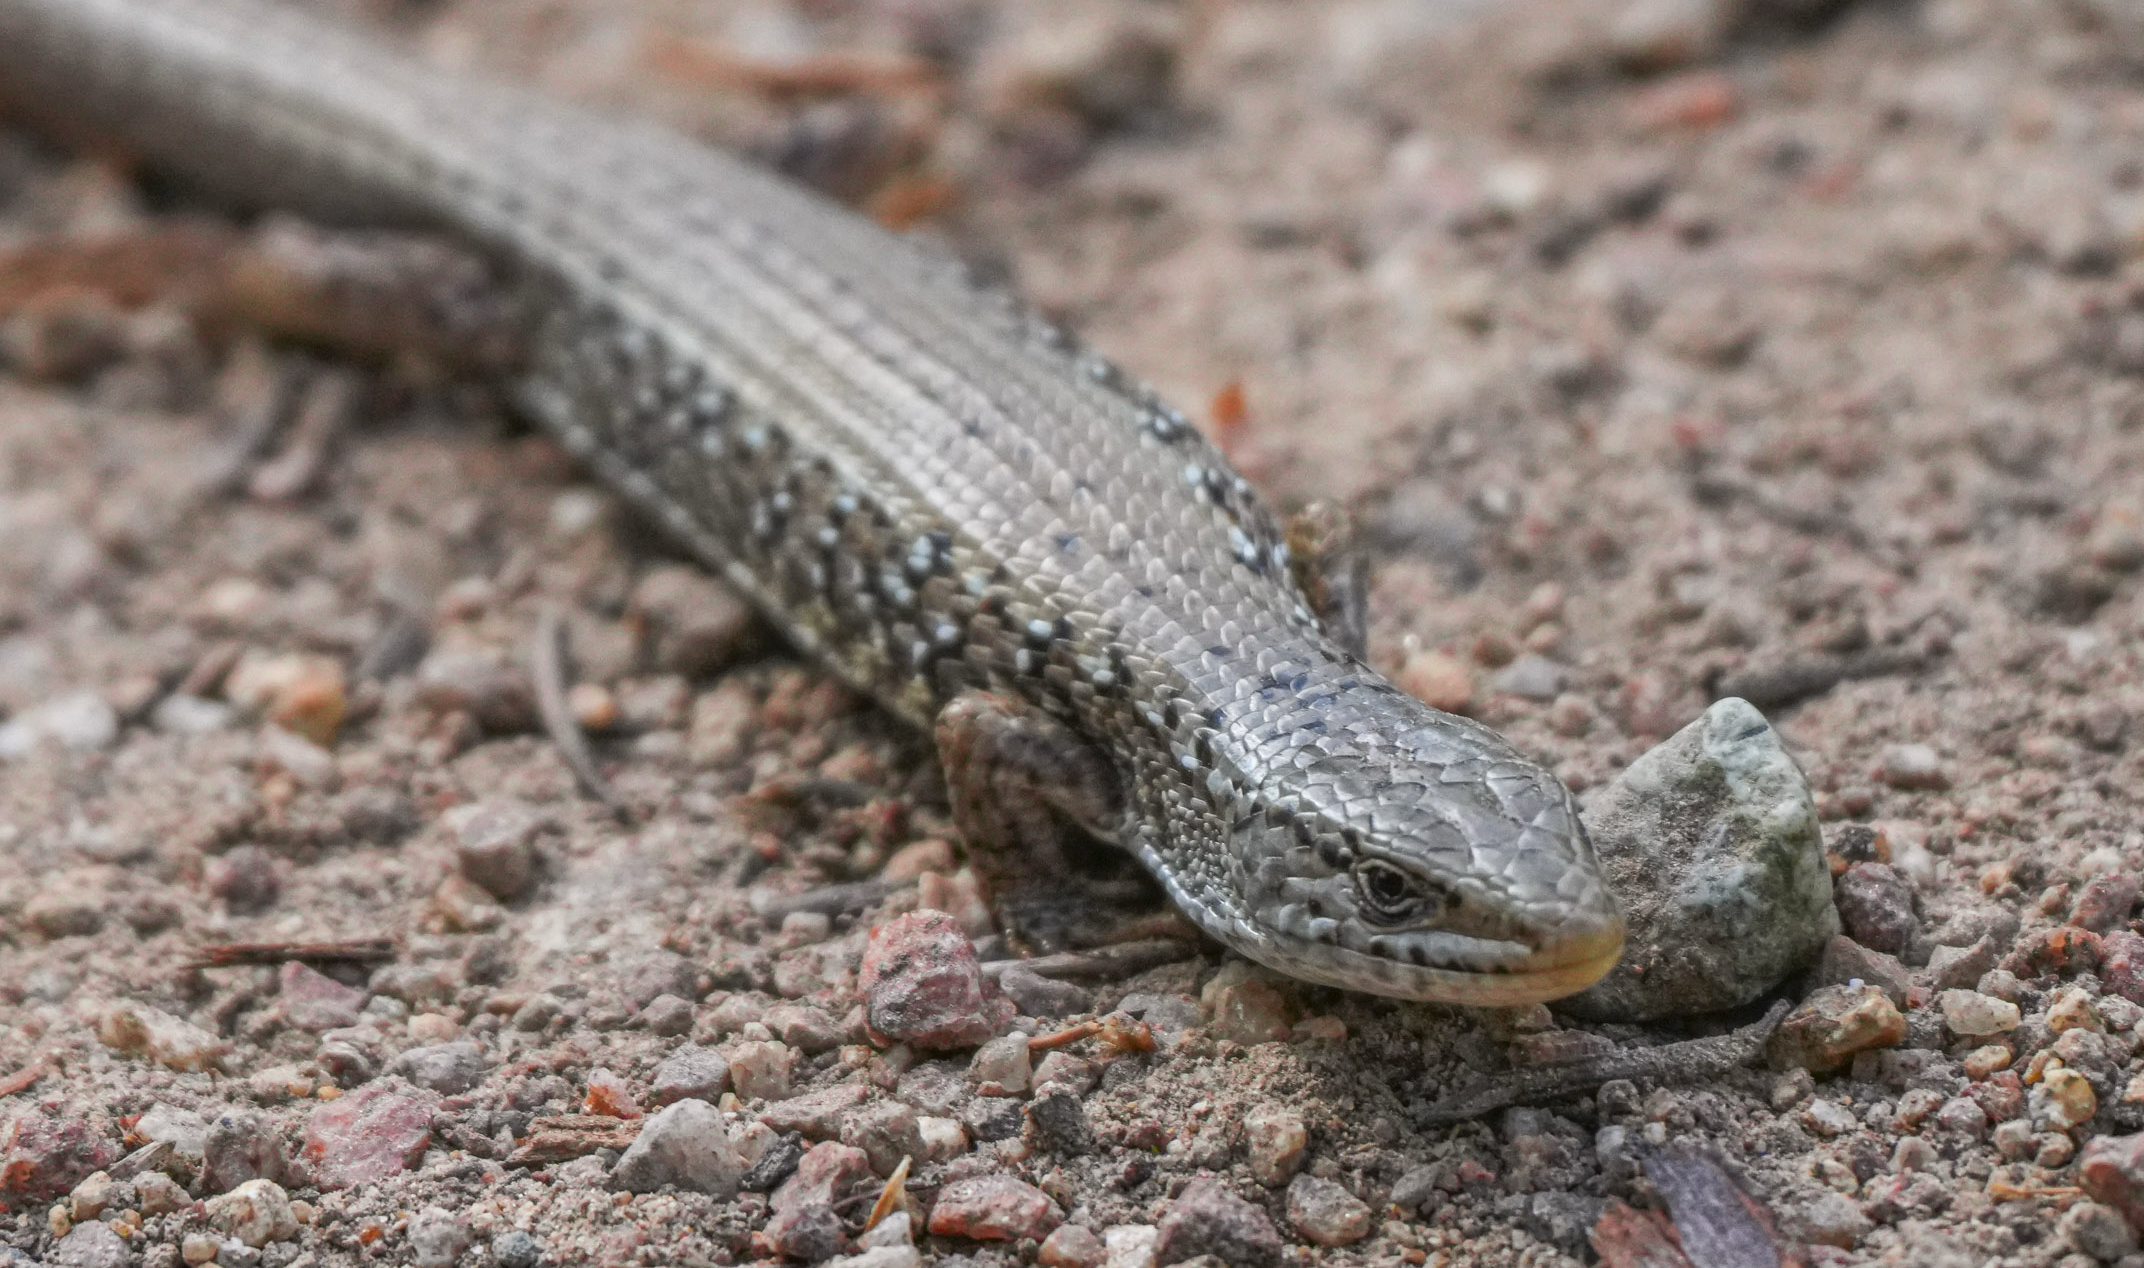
301	693
1531	677
91	1245
698	624
367	1135
1057	1124
1834	1023
256	1213
1243	1004
424	1027
245	879
2098	1231
815	1115
516	1249
1207	1219
158	1193
923	986
89	1197
1986	1060
137	1029
887	1132
1913	767
943	1138
2072	1009
1325	1213
803	1223
609	1096
1275	1139
1833	1219
1950	967
691	1072
1437	680
1962	1116
2063	1100
241	1145
1972	1014
686	1145
447	1068
1001	1067
762	1070
313	1001
666	1015
437	1238
1060	1069
495	845
190	715
993	1208
2112	1171
1072	1246
1130	1246
81	721
2105	901
1828	1118
1039	996
1875	907
1846	961
809	1030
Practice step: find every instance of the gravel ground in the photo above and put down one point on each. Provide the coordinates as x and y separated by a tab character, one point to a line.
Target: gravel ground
1669	349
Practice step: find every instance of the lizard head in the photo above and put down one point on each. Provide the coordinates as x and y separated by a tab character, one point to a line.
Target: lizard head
1390	848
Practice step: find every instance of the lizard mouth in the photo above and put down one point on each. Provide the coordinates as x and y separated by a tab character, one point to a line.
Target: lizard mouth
1442	967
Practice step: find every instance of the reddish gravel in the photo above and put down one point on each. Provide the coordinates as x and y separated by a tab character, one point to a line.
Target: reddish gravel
1668	349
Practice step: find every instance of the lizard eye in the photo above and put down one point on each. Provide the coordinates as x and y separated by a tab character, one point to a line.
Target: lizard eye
1390	895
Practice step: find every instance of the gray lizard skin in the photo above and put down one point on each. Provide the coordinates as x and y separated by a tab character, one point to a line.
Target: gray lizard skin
932	490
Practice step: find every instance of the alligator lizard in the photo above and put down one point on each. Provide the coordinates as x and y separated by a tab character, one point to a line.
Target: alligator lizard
993	531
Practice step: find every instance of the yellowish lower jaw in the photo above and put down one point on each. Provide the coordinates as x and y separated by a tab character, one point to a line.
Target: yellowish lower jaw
1499	990
1573	970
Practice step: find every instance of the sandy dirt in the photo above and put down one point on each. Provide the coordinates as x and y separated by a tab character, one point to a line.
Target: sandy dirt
1666	348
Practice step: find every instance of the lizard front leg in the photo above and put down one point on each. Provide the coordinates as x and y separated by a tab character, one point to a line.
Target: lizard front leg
1032	799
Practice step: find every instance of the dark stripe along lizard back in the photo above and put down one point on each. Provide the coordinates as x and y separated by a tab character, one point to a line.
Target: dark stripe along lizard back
927	486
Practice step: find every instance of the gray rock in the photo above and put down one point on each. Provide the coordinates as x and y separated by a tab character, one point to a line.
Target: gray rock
1057	1124
437	1238
1561	1219
685	1145
81	721
1875	905
1040	996
1415	1186
495	846
880	1257
515	1249
1532	676
241	1145
666	1015
445	1068
1325	1213
185	1131
886	1131
1170	1016
2098	1231
1207	1219
1952	967
1711	842
90	1245
691	1073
